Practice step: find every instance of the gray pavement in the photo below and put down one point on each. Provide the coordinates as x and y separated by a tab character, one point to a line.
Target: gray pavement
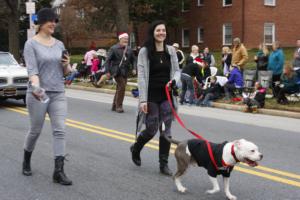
98	143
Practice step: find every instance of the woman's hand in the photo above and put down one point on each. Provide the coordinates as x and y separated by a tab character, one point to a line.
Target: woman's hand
144	107
65	60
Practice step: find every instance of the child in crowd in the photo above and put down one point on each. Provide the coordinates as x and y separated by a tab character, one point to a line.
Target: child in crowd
74	73
94	68
256	99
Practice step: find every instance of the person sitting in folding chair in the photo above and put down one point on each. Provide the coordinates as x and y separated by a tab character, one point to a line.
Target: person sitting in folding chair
256	99
288	85
235	82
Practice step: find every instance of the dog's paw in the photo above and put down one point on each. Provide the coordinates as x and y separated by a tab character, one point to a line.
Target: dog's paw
213	191
182	189
231	197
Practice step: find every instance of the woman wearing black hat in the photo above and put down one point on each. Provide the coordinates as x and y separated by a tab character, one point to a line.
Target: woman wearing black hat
46	63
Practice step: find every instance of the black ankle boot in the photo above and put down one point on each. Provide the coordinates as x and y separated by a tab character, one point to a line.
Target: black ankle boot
137	147
26	163
164	149
59	175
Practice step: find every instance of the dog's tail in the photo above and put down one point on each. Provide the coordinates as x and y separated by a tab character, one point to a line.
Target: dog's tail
171	140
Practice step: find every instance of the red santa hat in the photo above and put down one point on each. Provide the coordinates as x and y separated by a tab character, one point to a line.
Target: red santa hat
123	35
198	61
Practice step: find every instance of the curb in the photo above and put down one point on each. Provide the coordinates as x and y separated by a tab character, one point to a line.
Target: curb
264	111
281	113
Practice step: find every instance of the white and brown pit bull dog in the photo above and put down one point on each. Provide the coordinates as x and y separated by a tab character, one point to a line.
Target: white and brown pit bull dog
226	155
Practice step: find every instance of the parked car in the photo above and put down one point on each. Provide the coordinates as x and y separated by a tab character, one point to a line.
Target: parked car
13	78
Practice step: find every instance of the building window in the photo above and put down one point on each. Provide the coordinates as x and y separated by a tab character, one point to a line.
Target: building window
227	34
269	33
185	6
200	3
200	34
185	37
227	2
270	2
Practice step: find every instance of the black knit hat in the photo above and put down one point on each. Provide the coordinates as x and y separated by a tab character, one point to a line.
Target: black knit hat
45	15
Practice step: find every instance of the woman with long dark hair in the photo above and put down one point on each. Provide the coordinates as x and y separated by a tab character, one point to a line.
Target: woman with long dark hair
157	65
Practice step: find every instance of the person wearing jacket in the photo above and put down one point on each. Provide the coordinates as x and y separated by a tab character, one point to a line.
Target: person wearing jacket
194	54
157	65
187	76
276	62
256	99
288	84
211	93
239	54
226	60
296	62
261	58
235	81
180	55
119	60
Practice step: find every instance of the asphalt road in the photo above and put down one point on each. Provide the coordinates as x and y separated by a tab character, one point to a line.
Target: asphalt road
100	166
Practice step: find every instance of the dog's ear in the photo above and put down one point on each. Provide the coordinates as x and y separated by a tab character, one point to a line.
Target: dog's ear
238	143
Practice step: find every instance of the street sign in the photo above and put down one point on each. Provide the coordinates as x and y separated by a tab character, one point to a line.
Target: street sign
33	17
30	7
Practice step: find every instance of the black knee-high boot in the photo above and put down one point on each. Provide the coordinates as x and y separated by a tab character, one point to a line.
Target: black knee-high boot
59	175
137	147
164	149
26	163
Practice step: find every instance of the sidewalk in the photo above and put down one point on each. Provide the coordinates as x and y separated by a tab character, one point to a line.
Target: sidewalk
214	104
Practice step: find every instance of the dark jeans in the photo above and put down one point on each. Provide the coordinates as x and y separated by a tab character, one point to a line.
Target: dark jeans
251	102
187	84
208	98
158	113
120	91
275	78
229	89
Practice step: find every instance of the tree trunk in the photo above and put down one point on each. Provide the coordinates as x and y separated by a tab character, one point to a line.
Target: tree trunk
122	15
13	35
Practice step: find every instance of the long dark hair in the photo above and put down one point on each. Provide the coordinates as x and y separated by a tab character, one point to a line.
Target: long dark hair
150	41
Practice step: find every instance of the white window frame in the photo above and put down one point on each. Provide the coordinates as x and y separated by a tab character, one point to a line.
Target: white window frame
224	5
273	32
182	7
182	37
223	32
266	3
199	3
199	38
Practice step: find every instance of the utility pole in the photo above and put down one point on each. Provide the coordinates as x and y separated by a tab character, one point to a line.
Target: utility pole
30	9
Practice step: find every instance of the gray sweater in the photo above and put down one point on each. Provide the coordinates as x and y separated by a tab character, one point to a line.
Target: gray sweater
45	62
143	77
296	62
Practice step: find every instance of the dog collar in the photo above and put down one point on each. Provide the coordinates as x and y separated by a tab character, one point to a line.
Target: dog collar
225	165
233	154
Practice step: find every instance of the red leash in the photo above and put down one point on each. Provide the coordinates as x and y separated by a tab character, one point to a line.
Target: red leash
211	155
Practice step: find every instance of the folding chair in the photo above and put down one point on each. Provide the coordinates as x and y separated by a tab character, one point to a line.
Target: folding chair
249	78
213	71
265	79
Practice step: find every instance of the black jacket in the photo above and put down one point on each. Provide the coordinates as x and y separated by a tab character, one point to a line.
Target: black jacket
199	151
114	58
192	70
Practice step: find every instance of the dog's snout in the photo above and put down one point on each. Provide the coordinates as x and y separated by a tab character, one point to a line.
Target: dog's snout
261	156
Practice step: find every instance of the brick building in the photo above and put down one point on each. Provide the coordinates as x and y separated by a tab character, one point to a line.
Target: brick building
214	23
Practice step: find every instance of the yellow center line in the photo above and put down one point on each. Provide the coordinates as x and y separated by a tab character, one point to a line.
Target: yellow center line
78	125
